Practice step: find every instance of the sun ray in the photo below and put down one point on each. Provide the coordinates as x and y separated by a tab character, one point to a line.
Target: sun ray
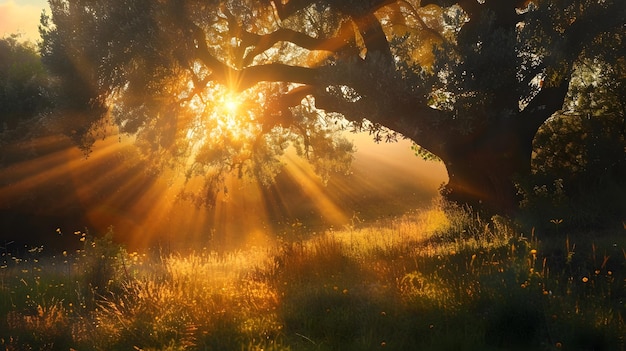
111	187
314	189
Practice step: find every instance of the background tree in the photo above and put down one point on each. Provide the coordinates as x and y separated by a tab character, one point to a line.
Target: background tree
23	83
469	81
579	163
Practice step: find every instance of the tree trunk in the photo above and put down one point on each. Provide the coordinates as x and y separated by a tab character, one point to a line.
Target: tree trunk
482	170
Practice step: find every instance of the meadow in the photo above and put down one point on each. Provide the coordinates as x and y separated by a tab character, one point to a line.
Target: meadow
441	278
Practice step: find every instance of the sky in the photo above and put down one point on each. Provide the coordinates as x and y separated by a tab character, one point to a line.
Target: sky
21	16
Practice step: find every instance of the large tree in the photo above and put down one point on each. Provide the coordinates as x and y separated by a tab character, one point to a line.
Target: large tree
468	81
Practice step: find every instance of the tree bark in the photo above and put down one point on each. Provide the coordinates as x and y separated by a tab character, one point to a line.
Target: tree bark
482	171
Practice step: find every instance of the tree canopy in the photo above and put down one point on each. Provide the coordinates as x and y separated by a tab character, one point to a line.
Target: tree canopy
220	86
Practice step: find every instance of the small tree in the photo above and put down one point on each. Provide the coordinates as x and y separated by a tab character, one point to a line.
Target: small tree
23	82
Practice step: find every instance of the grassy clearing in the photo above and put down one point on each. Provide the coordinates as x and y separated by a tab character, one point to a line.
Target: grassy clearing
438	279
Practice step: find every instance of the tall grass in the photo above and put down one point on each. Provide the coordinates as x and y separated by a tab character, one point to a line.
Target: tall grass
438	279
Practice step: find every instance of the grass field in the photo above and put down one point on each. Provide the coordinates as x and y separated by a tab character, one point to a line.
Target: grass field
437	279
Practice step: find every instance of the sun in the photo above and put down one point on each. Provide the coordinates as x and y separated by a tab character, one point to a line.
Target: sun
230	119
231	104
219	114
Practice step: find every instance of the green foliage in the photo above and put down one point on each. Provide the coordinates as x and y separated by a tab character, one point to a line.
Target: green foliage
423	153
24	84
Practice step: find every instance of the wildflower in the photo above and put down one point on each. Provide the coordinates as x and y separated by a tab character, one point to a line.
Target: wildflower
585	279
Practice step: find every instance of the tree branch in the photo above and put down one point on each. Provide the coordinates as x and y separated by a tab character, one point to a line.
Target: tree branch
374	36
289	8
543	106
266	41
273	72
240	80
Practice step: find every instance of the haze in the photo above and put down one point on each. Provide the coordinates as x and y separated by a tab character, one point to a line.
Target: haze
21	17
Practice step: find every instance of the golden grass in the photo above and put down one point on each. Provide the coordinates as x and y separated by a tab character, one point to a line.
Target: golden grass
438	279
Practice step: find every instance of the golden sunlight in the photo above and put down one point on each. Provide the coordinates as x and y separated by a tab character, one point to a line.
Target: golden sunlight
229	121
219	115
111	188
231	104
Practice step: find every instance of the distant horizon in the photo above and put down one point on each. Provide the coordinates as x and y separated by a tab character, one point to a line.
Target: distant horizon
21	17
